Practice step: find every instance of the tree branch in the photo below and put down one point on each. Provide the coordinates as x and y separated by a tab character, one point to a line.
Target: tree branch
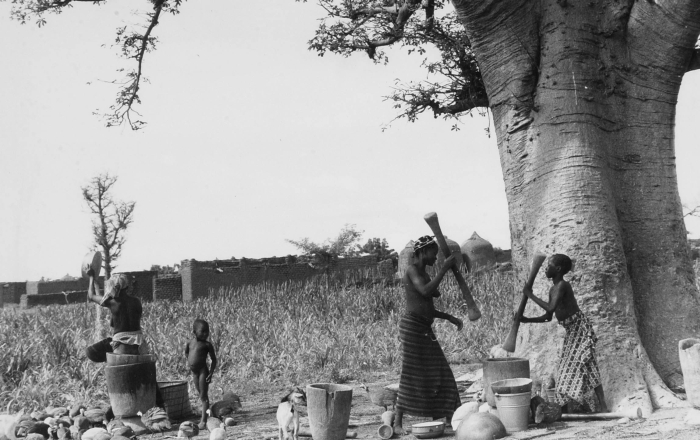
128	96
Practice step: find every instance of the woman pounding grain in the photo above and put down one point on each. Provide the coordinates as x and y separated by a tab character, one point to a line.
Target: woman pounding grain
427	387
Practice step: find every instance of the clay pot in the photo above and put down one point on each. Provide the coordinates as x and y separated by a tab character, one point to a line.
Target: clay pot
480	426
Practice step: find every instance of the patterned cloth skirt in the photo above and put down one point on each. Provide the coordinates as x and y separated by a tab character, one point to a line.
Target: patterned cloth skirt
578	369
427	387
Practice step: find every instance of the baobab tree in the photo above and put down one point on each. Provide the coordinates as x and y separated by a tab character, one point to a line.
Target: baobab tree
583	99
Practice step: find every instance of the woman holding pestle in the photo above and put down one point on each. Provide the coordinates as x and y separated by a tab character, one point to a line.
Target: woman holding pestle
427	386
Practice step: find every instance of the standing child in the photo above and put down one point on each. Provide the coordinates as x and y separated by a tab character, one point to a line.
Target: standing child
196	351
578	368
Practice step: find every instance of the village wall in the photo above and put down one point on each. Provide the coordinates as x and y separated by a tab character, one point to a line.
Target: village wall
12	292
167	287
46	299
201	277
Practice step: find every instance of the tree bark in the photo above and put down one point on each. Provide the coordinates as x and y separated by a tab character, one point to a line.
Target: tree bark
583	97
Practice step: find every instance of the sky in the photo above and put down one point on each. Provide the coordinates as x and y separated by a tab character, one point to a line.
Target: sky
251	140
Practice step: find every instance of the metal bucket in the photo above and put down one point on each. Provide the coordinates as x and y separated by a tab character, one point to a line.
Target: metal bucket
514	410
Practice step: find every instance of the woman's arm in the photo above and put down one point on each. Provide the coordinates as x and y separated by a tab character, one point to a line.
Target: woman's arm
454	320
93	289
555	296
429	289
544	318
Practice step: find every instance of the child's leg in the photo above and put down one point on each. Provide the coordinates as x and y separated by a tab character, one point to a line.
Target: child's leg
195	377
204	394
601	398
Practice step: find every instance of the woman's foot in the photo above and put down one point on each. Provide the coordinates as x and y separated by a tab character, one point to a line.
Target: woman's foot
398	427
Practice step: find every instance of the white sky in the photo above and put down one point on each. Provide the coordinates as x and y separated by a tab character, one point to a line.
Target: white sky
251	139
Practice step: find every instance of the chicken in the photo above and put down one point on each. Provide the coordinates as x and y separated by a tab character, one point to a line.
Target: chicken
218	433
75	409
212	422
81	422
114	424
95	416
155	419
63	433
123	431
227	407
75	432
57	412
187	429
103	436
382	396
92	433
24	426
39	415
547	412
534	403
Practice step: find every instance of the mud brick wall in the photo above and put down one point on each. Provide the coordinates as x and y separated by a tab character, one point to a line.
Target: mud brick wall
143	284
199	277
61	286
58	286
12	292
167	287
47	299
32	287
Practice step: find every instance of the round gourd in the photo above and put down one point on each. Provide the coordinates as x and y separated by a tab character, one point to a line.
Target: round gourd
480	426
463	412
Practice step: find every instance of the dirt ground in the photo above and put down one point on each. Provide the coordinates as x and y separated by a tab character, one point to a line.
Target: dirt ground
257	420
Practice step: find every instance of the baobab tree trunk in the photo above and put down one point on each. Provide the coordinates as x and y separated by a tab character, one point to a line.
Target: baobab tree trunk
583	97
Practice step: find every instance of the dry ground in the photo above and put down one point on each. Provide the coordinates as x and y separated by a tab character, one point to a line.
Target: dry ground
257	421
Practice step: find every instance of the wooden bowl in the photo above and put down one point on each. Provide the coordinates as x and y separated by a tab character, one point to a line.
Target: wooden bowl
428	429
512	386
93	260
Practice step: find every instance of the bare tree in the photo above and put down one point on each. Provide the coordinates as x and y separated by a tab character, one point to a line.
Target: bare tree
111	218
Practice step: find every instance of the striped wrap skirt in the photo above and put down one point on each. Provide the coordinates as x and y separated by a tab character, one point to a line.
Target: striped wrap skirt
427	387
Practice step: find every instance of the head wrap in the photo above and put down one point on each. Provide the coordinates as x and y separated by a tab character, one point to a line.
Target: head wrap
422	242
117	284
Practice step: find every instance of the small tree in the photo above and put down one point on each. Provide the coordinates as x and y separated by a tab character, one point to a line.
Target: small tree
344	245
380	248
111	219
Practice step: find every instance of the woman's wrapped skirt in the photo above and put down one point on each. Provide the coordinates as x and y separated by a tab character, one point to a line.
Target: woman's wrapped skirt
427	387
578	369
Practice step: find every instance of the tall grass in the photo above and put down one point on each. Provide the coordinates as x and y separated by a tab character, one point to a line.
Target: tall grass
325	329
266	337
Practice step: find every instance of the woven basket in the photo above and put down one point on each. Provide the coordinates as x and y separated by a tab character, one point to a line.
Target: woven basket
175	399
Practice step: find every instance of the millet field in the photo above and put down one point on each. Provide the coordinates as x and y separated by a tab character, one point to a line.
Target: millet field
267	337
